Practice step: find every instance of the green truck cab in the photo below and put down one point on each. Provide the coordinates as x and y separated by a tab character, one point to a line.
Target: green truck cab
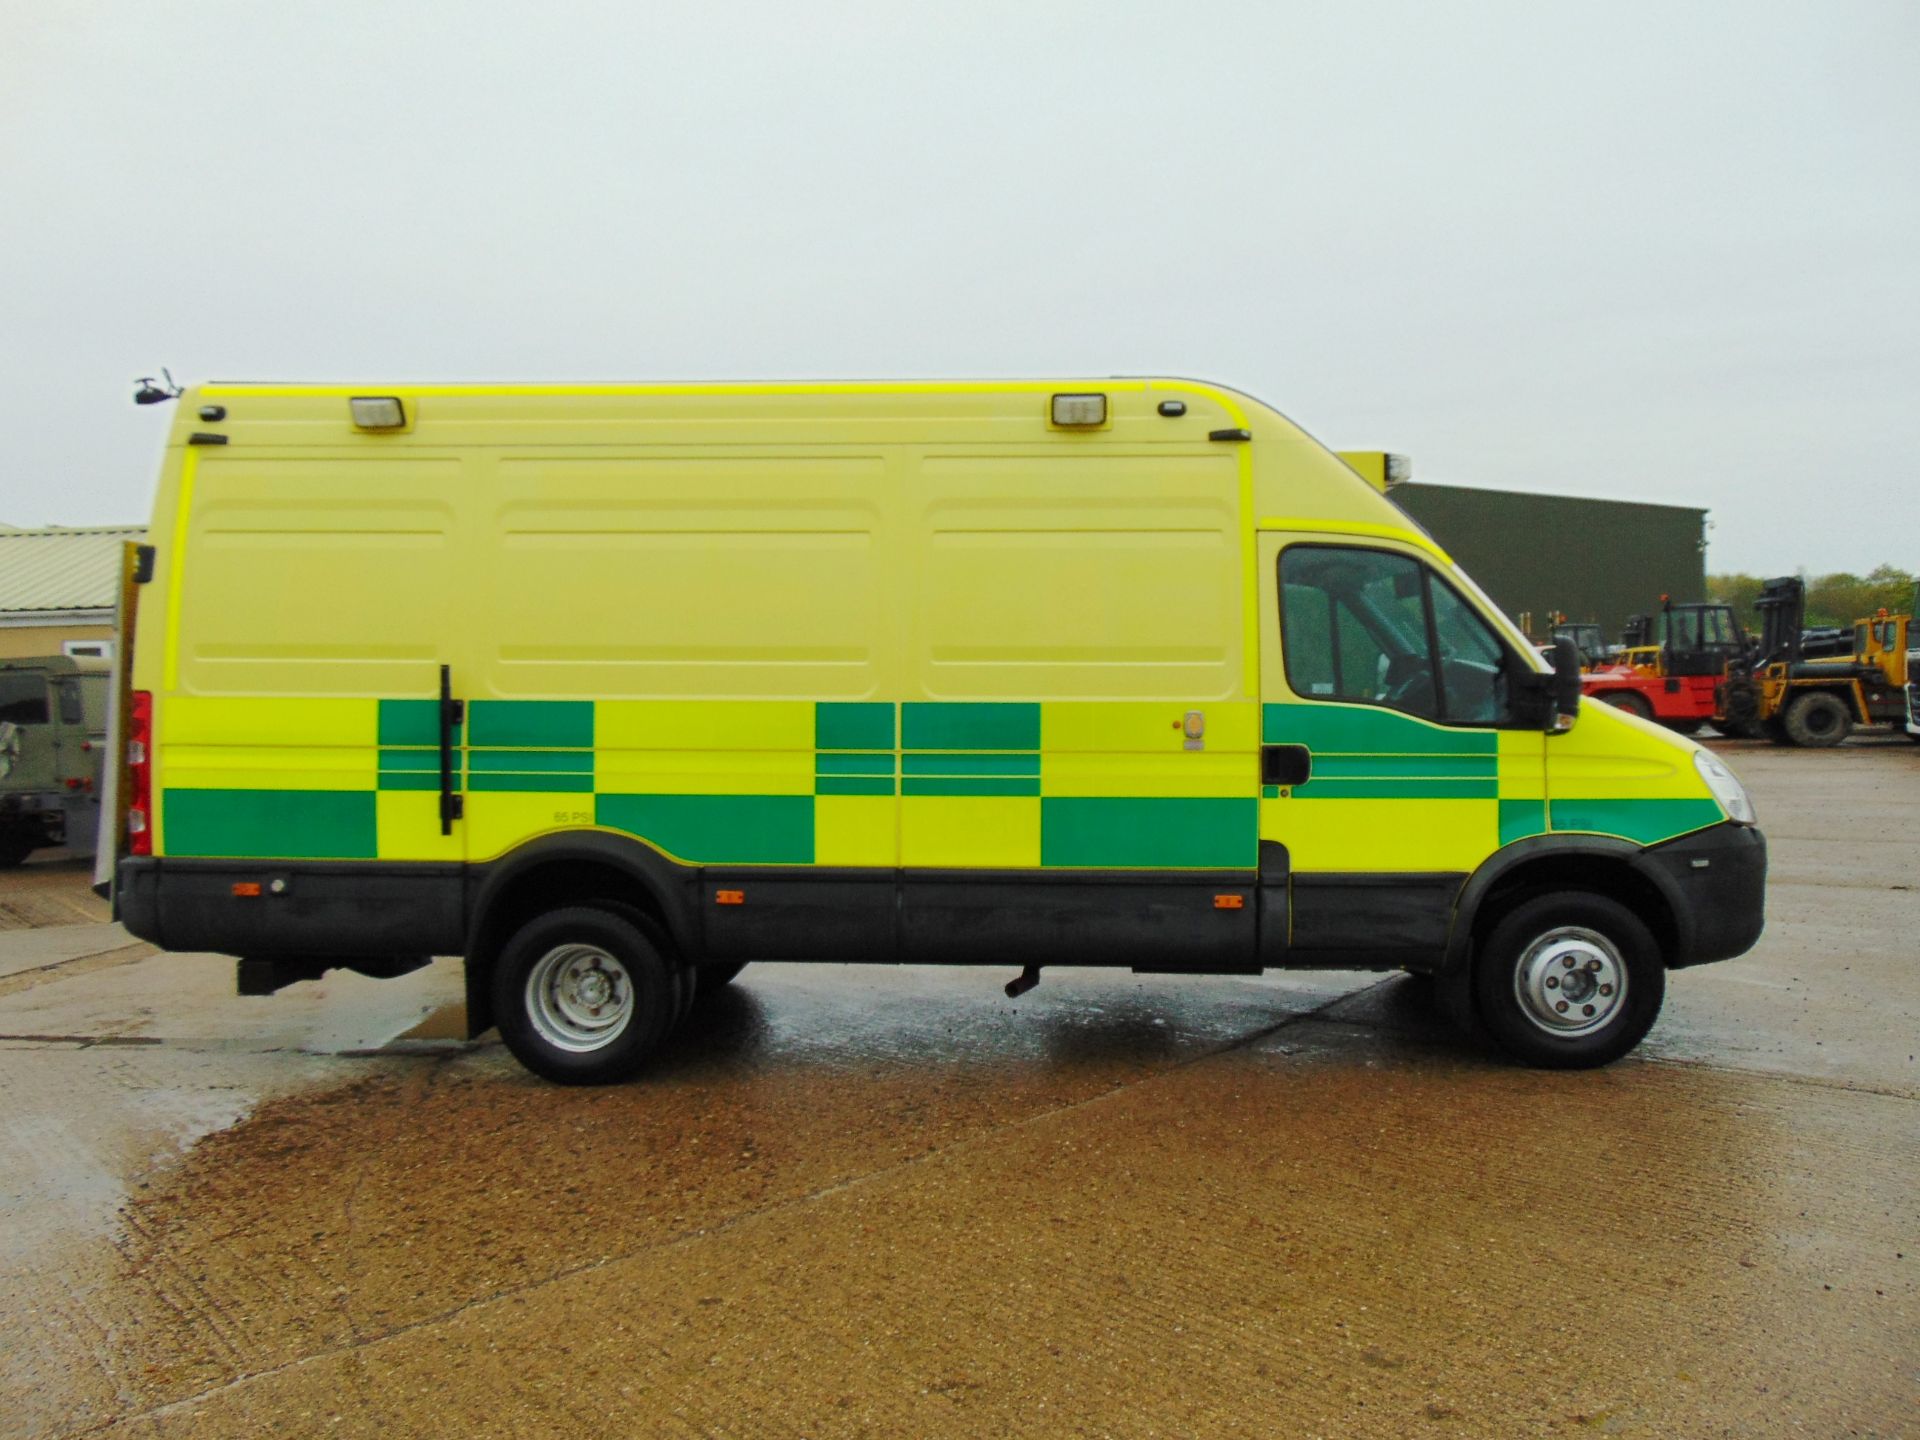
53	739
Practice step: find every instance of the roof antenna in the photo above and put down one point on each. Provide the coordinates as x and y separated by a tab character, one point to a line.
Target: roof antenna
152	392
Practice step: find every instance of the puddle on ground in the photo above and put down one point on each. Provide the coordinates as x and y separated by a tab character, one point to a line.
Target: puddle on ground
935	1219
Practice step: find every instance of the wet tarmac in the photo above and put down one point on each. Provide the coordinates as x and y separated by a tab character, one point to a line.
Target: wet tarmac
892	1202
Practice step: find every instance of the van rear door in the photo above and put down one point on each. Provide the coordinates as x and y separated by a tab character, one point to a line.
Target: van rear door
314	599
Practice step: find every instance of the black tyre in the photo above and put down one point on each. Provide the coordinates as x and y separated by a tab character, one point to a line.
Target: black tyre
1568	981
685	989
14	849
711	979
1684	727
1817	720
1630	701
585	995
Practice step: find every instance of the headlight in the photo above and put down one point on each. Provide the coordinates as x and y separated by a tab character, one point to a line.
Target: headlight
1731	794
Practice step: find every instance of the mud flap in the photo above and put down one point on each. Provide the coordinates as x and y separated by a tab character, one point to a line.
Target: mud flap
267	974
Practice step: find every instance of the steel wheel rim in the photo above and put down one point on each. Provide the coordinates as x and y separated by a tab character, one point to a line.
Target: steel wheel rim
579	998
1571	981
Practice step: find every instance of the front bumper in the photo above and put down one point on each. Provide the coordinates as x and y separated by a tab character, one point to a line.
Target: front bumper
1716	882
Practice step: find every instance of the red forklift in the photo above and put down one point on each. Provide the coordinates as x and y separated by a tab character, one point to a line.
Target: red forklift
1672	665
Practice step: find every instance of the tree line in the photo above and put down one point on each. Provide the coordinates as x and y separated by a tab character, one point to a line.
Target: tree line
1837	599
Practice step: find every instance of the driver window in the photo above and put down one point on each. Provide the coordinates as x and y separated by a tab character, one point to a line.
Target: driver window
1367	627
1354	628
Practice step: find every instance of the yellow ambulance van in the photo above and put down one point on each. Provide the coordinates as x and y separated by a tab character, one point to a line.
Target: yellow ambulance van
611	689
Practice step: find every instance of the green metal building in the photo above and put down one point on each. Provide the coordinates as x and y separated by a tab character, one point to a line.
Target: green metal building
1596	560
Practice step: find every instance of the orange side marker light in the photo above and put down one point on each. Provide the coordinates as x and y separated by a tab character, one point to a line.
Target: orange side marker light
1229	902
729	897
246	889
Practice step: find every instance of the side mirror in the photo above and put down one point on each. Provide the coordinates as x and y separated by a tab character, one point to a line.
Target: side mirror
1547	701
1566	684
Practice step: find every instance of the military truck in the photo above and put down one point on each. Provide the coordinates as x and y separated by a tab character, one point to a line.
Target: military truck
53	739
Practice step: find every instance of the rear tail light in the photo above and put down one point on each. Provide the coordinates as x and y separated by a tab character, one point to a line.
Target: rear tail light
140	773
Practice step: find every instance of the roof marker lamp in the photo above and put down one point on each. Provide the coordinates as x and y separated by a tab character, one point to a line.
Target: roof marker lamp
1079	412
378	412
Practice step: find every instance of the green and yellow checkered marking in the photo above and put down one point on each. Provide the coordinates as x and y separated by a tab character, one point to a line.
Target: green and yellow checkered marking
994	784
1072	784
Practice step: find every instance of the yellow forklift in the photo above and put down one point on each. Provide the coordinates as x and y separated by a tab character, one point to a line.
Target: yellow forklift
1796	698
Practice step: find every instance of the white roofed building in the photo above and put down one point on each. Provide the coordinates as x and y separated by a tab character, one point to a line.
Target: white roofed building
58	588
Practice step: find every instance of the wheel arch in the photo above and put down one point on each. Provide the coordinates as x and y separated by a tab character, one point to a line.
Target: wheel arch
571	869
1600	864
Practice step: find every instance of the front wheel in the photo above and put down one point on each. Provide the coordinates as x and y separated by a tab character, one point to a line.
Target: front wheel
584	996
1569	981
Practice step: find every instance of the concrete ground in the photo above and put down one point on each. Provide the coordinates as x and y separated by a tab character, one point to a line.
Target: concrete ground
892	1202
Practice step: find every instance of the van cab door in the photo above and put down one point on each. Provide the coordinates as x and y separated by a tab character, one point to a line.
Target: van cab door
1392	762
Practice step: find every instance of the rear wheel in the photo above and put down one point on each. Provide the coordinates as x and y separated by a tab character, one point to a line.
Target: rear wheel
1569	980
584	996
14	848
1685	727
682	974
1817	720
1630	701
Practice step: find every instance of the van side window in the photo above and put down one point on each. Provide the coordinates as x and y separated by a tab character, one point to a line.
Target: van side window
1374	628
23	699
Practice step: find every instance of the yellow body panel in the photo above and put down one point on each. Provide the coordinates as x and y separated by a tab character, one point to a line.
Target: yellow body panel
833	624
290	721
495	823
967	831
856	830
409	827
720	726
1372	836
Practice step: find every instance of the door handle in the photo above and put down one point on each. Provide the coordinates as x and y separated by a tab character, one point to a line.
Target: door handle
452	713
1285	764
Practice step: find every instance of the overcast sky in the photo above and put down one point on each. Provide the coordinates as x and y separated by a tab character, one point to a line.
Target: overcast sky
1656	251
